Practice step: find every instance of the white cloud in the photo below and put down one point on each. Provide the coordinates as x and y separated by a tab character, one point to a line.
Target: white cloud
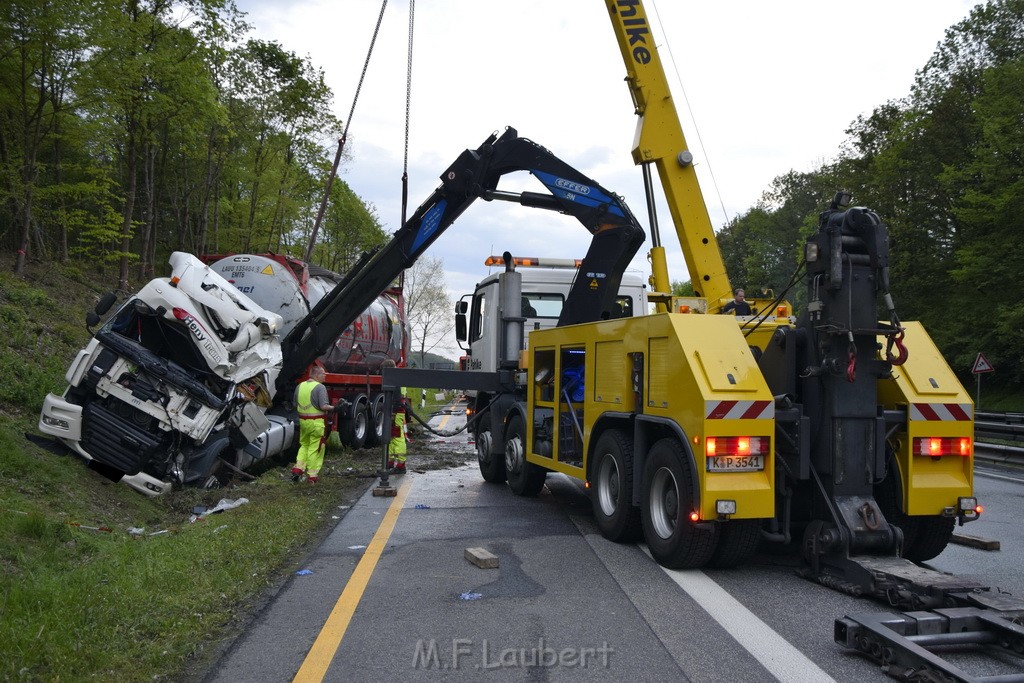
772	86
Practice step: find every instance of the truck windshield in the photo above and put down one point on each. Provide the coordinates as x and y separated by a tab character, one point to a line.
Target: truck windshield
163	338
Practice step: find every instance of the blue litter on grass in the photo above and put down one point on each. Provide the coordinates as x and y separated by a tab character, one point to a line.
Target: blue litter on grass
303	572
421	506
471	596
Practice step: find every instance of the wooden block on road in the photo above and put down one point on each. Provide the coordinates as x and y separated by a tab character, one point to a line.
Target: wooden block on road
975	542
385	491
482	558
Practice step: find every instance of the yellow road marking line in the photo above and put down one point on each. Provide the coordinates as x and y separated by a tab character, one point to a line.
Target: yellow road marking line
444	421
319	657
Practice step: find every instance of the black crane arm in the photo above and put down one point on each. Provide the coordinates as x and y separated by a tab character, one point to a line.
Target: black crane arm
475	174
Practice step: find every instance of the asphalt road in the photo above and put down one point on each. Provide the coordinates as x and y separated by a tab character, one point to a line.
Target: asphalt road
565	604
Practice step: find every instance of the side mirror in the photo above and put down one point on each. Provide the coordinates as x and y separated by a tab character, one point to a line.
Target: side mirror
105	303
461	333
461	307
91	319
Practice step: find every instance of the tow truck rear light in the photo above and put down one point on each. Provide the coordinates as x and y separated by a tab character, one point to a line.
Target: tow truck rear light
969	508
725	507
782	312
736	445
934	447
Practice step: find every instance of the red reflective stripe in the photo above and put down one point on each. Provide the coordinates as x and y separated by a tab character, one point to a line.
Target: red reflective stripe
755	410
312	417
721	410
928	412
957	412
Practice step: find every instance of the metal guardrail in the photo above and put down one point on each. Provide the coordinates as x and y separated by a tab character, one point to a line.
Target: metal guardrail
1000	427
1000	431
1007	418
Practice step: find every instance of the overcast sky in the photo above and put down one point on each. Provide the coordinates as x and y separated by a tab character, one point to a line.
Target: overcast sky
771	86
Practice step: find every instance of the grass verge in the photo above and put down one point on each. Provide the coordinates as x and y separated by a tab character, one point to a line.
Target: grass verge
80	596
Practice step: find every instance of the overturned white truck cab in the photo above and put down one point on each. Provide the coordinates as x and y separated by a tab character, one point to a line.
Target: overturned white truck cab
174	384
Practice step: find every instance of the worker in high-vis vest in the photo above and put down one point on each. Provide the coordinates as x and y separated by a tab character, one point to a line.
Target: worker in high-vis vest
397	446
314	407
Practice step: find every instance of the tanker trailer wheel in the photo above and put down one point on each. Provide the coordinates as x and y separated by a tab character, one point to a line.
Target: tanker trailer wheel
492	467
524	478
354	429
375	413
612	492
665	496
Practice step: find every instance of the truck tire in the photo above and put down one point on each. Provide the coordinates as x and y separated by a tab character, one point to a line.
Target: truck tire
524	478
665	496
375	415
923	537
354	429
612	490
931	538
737	542
492	467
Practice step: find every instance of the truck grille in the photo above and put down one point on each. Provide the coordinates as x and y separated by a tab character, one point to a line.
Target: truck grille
116	441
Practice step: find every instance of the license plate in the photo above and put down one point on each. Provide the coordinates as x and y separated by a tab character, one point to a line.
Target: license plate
736	463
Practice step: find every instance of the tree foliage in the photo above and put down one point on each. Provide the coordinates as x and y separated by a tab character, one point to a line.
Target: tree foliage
428	308
944	168
133	128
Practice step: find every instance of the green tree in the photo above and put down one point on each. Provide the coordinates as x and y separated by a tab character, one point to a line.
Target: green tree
988	284
41	44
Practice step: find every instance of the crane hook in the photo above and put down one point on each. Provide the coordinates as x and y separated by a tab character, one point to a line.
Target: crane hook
897	341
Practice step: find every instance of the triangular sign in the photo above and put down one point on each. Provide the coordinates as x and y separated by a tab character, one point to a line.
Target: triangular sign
981	364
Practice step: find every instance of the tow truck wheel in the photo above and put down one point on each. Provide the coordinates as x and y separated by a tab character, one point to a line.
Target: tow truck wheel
524	478
923	537
931	538
665	507
611	495
737	542
492	467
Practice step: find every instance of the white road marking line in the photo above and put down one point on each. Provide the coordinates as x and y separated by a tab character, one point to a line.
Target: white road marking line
774	652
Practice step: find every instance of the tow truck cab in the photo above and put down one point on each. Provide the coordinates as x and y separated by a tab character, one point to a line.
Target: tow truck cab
545	285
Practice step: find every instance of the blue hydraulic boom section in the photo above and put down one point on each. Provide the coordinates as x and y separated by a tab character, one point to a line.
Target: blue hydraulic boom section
475	174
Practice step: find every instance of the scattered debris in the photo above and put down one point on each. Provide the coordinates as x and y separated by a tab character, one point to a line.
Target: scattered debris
222	527
356	547
421	506
136	531
222	505
304	572
975	542
92	528
471	596
482	558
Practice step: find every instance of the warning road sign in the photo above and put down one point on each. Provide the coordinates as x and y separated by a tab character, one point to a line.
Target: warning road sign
981	365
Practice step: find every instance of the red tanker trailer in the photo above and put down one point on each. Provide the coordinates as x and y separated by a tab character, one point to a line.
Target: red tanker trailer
290	287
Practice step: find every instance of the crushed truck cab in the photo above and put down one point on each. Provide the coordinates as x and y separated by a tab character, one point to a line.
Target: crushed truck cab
179	374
